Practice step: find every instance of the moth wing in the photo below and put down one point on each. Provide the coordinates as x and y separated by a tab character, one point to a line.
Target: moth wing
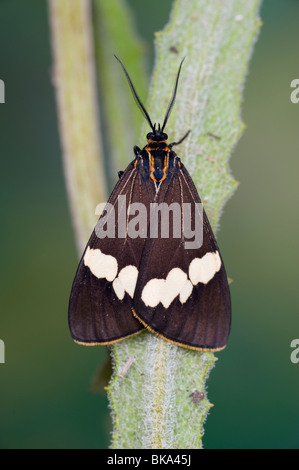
182	294
100	306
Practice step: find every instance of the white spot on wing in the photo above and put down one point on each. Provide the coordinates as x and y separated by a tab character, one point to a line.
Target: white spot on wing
101	265
204	269
128	278
105	266
152	292
118	288
177	283
186	291
164	290
175	279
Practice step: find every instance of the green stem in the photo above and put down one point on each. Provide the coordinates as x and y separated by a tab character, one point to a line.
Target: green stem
152	405
74	81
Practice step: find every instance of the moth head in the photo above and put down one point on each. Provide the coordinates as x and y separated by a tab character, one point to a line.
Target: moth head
157	135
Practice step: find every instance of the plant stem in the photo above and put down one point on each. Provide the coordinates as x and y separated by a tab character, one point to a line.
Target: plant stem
75	85
152	405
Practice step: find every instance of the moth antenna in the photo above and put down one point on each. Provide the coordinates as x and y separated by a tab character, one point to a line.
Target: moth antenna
173	96
137	99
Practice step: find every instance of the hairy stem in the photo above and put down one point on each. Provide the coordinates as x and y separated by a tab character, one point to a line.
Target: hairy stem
75	85
216	38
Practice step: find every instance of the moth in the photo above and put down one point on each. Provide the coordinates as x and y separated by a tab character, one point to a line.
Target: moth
130	280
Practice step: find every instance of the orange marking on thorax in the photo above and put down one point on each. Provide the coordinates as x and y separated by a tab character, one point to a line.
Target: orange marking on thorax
153	169
165	149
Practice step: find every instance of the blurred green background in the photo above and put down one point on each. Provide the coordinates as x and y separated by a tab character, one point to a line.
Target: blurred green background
45	397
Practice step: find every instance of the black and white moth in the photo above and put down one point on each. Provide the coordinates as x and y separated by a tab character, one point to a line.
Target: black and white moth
125	284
